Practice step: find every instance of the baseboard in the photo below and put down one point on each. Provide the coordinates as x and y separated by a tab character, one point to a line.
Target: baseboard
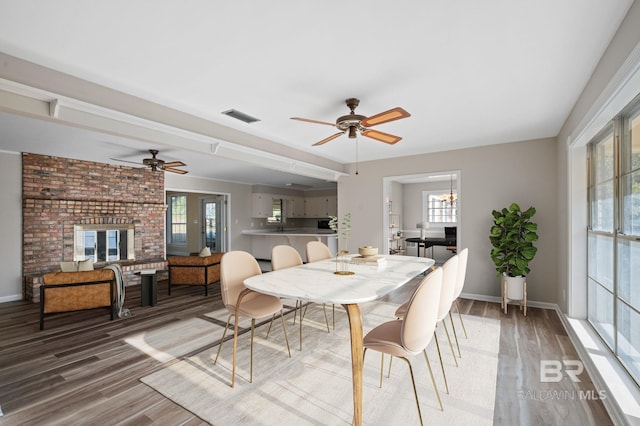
496	299
12	298
605	371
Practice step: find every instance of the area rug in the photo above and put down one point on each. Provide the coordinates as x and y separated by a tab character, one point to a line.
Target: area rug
174	340
314	385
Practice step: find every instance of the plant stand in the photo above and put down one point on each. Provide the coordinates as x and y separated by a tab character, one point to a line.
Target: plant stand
514	289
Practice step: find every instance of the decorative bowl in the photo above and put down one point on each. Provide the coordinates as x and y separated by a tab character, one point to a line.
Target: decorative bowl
368	251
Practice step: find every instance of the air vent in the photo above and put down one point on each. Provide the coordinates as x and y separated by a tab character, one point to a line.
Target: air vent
240	116
297	185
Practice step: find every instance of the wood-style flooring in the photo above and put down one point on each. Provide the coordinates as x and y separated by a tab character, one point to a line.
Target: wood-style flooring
79	370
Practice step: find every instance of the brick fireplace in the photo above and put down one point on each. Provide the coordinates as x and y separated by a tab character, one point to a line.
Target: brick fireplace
59	193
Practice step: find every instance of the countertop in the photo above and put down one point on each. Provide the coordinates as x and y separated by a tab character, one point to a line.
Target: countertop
302	232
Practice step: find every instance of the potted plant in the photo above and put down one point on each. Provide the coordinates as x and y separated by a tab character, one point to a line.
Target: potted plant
512	236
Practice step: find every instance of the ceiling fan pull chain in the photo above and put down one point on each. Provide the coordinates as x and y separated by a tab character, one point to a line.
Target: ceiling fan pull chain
356	155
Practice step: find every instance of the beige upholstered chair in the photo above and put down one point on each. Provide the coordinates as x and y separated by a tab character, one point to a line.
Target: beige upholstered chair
463	257
235	267
409	336
317	250
449	274
282	257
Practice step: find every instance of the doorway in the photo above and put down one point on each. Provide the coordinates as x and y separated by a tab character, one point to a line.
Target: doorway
196	220
213	233
406	209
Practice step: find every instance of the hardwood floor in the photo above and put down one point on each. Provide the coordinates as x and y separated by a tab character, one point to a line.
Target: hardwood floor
79	370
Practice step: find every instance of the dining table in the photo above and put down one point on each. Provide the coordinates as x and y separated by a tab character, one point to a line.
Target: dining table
319	282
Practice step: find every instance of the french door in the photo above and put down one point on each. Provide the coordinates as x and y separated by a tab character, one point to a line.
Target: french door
213	220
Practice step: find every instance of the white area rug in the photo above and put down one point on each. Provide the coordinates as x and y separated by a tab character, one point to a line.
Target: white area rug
176	339
314	386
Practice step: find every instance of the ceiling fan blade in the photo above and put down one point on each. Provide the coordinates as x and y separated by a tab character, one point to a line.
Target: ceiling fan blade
172	170
385	117
174	164
381	136
308	120
330	138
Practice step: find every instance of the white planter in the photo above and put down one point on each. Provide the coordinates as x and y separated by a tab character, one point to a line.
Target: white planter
514	288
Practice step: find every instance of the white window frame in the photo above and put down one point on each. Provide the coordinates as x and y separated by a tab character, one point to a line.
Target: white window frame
426	214
171	237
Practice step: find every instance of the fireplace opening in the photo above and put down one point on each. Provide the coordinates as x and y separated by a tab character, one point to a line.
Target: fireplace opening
104	242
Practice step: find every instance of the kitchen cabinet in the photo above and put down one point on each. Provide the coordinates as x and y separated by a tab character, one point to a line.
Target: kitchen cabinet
295	207
317	207
261	205
268	206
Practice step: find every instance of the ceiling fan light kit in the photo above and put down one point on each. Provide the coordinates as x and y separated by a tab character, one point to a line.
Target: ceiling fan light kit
353	123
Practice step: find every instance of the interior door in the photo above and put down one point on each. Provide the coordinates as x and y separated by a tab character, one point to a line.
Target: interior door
213	218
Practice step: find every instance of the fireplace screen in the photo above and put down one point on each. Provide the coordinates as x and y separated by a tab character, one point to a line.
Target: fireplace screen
103	243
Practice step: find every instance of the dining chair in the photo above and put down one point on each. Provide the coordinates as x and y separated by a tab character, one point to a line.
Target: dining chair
406	337
463	258
317	250
284	256
449	274
235	267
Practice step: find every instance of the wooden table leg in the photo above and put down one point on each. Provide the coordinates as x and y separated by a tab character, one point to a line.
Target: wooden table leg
355	327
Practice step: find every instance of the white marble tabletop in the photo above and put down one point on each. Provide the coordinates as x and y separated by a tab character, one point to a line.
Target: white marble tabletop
316	281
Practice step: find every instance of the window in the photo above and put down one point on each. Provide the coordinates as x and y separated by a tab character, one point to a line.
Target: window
439	207
178	219
613	244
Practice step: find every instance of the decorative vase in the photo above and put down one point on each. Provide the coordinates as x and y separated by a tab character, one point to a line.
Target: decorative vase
342	263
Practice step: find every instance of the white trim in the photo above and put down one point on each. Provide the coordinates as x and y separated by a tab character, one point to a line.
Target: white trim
496	299
622	400
98	118
620	90
11	298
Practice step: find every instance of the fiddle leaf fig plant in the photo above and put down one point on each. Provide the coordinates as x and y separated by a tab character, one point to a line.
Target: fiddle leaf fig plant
512	236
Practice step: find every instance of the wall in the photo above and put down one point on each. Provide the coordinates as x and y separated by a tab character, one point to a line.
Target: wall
491	177
11	227
59	192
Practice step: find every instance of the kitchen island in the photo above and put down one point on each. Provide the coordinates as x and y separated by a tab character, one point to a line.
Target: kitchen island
263	240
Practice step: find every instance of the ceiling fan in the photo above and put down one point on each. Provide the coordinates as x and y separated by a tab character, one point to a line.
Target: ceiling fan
353	123
156	164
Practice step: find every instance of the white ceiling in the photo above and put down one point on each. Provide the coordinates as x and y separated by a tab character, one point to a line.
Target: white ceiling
470	72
